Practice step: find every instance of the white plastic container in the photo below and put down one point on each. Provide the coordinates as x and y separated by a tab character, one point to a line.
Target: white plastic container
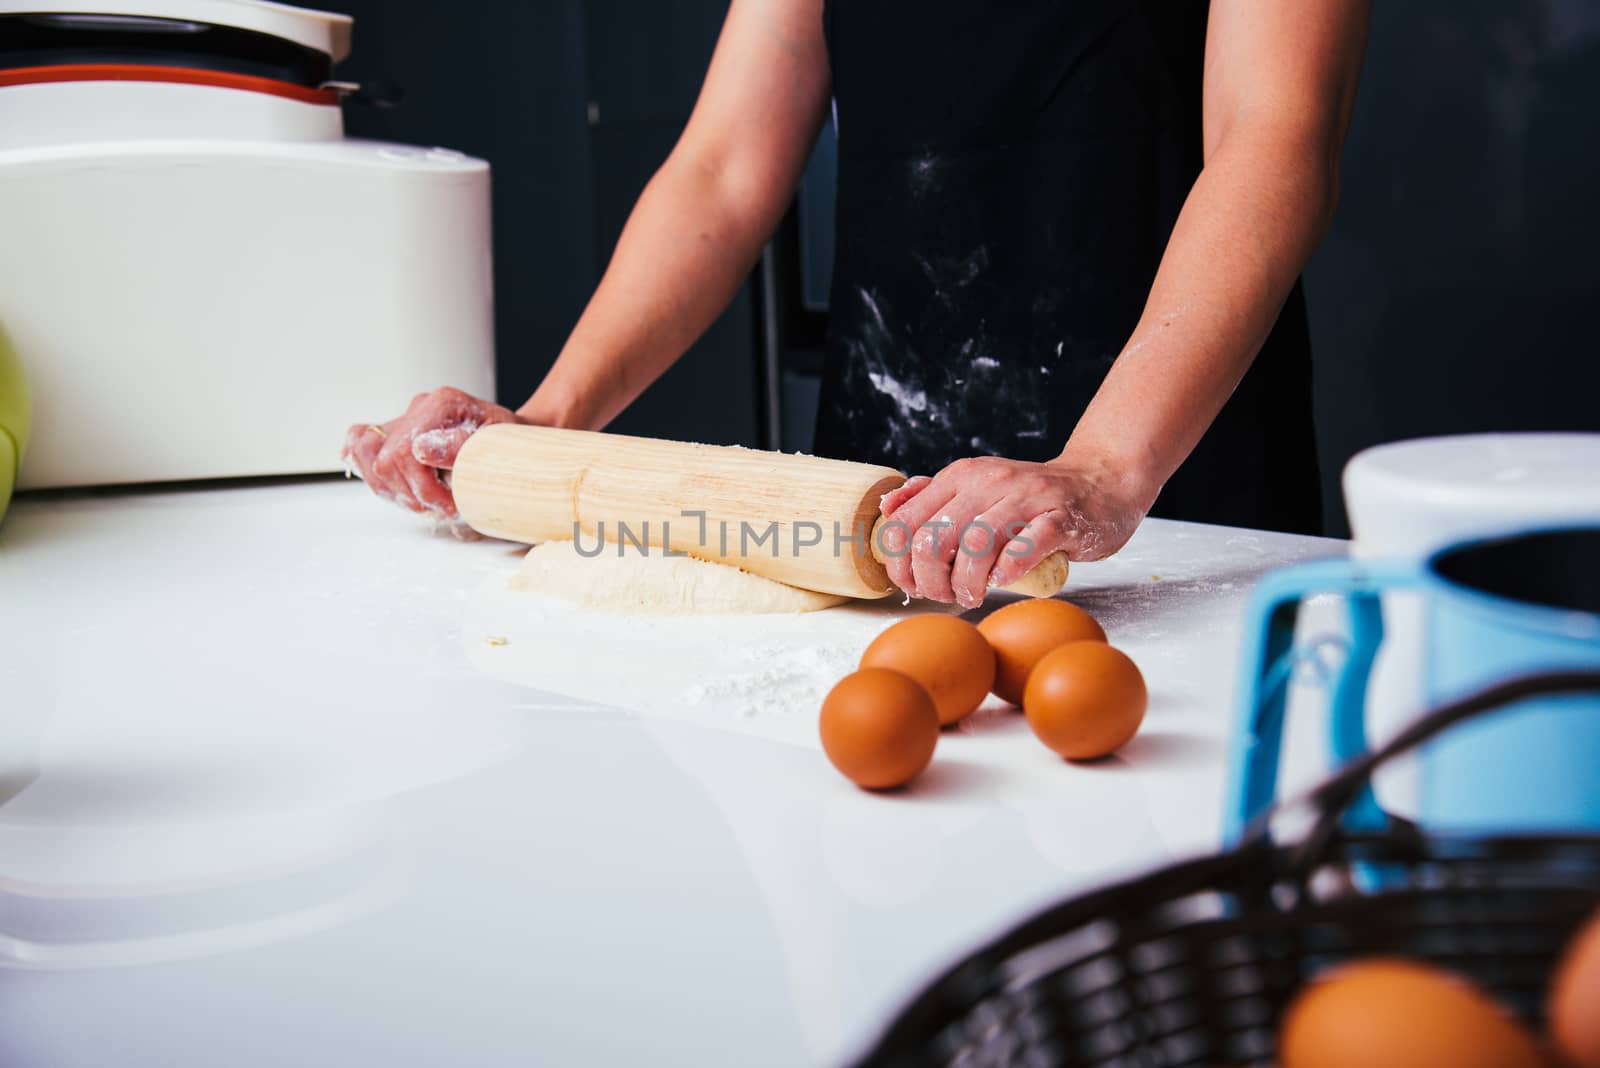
1409	498
204	279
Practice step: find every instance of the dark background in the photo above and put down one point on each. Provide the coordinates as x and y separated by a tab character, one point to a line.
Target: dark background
1457	292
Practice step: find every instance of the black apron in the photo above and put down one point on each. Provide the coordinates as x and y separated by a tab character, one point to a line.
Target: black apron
1009	173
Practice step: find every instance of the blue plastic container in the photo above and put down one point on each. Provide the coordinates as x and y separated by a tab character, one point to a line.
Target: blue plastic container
1496	608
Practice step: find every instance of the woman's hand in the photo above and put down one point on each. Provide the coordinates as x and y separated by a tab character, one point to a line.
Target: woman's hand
986	521
404	460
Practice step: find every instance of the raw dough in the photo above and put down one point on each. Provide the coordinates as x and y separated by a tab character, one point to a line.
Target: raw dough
638	584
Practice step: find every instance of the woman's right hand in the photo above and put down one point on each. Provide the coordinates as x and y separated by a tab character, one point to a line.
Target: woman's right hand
405	459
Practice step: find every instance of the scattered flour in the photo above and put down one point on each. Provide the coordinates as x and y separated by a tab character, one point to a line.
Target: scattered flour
788	684
909	400
763	675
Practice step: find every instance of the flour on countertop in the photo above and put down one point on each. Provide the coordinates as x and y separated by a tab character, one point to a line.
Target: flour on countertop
756	674
789	683
1172	599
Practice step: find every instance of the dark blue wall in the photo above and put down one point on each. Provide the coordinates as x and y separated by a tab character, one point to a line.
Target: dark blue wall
1460	288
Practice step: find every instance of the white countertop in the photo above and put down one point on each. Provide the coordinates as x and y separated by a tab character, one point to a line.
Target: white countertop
288	778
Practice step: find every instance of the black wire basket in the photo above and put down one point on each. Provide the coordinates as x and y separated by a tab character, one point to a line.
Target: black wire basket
1194	964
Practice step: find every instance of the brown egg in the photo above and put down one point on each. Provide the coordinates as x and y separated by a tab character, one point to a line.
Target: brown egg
1574	1007
879	728
1393	1013
1084	699
946	654
1023	632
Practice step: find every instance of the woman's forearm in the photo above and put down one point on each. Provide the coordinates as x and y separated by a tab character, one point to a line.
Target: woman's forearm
701	222
683	254
1279	88
1251	222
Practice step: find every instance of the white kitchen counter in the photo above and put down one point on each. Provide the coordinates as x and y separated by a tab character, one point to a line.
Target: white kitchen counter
287	778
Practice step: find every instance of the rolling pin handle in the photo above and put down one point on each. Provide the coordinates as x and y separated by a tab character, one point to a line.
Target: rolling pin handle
1045	579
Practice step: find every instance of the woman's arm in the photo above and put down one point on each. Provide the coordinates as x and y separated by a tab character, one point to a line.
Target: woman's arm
691	240
1280	82
700	224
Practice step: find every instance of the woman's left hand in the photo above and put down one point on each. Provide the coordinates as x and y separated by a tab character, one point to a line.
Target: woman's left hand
986	521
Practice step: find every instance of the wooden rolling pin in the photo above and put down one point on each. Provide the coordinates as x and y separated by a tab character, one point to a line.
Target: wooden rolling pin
787	517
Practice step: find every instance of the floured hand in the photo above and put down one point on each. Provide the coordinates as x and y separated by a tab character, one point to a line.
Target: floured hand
407	459
986	521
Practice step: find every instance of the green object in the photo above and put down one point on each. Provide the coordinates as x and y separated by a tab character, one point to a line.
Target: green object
15	415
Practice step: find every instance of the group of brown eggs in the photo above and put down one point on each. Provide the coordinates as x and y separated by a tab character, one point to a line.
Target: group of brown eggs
1397	1013
1082	698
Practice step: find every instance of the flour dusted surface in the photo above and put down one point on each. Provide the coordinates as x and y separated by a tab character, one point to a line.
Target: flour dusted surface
764	674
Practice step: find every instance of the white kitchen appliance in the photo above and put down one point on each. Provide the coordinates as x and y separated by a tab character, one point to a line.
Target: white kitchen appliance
1411	498
202	276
